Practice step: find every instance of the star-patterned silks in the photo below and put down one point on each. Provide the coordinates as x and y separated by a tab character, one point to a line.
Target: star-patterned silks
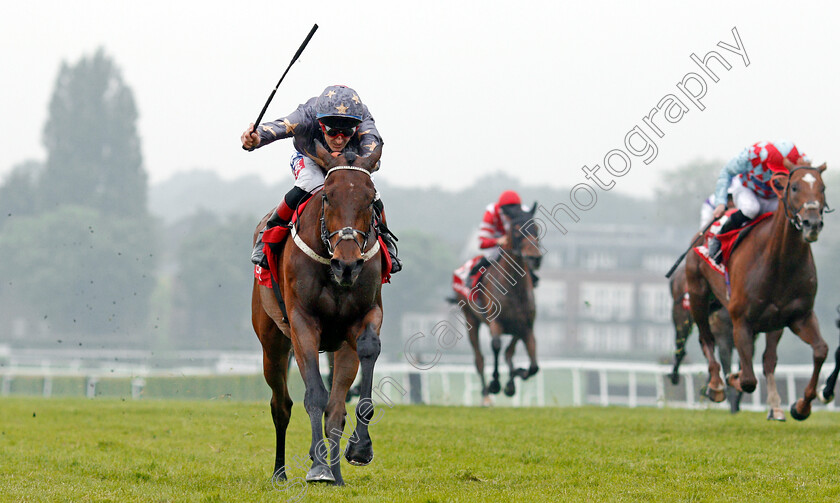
290	128
269	129
370	146
342	109
362	133
330	94
356	99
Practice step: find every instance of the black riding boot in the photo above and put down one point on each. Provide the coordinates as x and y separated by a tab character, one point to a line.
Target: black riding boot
258	256
281	215
388	237
735	221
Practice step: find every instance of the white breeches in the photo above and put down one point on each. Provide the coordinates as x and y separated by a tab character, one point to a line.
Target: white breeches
750	204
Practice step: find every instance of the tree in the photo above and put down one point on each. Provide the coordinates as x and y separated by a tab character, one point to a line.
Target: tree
19	192
212	289
78	270
682	191
94	156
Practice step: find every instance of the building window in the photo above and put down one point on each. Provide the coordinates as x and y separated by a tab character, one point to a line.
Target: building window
551	300
655	302
606	301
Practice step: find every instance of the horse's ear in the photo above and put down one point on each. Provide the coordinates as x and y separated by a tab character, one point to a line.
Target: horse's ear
321	156
822	167
371	162
533	209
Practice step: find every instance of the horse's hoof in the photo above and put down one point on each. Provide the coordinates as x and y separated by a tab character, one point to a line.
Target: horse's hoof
734	380
776	414
487	401
510	388
532	370
359	455
495	387
675	378
521	373
716	395
825	398
794	413
320	473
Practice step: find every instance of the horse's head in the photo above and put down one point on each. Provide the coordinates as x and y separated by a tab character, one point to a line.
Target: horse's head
523	239
802	192
347	215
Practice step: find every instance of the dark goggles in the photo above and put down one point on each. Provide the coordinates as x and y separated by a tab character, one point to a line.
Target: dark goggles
335	131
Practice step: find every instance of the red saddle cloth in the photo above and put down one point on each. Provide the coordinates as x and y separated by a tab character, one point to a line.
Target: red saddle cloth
461	283
728	242
276	236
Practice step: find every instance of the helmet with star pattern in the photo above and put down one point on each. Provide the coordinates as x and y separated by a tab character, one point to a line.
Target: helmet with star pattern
339	106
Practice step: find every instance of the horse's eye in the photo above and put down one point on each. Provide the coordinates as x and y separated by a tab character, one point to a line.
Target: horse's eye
794	188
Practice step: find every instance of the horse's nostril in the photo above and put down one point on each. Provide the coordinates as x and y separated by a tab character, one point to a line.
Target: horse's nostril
806	223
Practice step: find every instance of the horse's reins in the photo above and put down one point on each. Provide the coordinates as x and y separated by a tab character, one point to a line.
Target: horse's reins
345	233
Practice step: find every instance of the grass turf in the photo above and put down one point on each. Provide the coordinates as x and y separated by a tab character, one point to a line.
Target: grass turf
159	451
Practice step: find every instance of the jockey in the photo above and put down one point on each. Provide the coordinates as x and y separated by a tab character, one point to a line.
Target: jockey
492	234
339	120
748	175
707	209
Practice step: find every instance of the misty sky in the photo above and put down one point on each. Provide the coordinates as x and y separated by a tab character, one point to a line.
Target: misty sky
535	89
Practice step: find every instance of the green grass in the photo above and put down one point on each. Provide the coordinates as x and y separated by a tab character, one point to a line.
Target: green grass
67	449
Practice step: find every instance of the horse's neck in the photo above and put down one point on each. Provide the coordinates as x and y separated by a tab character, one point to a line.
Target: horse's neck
309	225
511	271
786	246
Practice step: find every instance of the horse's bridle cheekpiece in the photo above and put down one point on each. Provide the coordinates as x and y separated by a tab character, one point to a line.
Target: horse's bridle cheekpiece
345	233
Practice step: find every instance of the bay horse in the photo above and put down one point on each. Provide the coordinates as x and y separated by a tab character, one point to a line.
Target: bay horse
773	282
504	301
721	326
826	394
330	282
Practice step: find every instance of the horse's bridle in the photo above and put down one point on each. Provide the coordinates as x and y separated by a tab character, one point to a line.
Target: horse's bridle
794	218
345	233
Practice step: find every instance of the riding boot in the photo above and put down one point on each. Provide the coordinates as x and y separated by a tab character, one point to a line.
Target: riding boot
735	221
387	236
280	217
482	262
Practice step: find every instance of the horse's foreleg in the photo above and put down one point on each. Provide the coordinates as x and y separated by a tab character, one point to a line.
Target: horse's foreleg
275	370
744	338
306	340
531	347
360	451
723	338
826	394
774	401
479	358
700	312
808	330
345	365
682	329
496	345
510	387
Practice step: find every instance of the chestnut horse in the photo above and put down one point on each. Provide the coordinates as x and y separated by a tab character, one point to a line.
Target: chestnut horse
504	300
721	326
330	281
773	283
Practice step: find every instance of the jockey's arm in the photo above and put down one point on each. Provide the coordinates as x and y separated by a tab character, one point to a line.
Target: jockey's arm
369	137
283	127
488	235
737	165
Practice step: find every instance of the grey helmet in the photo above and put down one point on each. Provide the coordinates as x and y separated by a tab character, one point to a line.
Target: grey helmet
339	106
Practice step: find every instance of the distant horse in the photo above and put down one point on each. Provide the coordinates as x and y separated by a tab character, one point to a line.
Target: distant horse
721	326
773	283
330	282
504	300
826	394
